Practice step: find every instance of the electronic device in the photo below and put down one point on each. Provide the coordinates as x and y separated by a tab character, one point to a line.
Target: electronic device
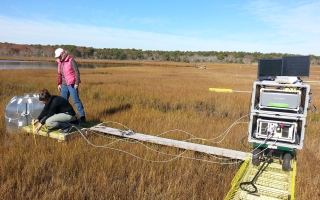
280	99
270	68
296	66
270	97
276	130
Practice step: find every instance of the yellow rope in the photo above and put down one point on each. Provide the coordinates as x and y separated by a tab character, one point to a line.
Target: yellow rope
33	131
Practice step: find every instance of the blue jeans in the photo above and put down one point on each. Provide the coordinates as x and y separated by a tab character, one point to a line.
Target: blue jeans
69	90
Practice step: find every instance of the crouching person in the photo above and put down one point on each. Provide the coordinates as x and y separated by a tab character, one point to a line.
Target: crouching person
56	114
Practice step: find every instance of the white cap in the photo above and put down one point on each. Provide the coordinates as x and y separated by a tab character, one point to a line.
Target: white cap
58	52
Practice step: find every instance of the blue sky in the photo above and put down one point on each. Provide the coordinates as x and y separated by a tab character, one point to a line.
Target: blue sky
265	26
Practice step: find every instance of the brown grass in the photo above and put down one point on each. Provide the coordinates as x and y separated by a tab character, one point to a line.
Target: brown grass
148	100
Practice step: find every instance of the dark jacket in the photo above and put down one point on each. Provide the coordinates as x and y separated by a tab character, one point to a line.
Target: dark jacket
56	105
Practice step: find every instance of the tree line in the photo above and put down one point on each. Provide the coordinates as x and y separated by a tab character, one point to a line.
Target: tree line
37	50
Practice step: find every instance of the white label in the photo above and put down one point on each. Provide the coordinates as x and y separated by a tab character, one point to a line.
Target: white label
272	146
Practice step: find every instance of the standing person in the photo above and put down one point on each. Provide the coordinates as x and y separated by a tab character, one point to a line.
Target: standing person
69	80
56	114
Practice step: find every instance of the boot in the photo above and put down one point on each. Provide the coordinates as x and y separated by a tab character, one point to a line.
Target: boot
75	122
65	127
83	119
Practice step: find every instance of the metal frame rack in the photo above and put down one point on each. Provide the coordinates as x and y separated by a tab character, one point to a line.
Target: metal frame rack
278	119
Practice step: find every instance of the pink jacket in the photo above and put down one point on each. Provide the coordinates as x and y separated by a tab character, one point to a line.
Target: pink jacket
69	73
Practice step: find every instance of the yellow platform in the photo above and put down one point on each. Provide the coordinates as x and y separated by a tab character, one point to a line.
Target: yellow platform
272	184
53	134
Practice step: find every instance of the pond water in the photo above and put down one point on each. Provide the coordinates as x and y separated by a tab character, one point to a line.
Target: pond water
16	64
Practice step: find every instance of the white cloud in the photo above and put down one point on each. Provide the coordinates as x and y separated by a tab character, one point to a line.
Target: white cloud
293	20
45	32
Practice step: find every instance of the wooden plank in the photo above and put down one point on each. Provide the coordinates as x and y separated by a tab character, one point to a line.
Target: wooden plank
174	143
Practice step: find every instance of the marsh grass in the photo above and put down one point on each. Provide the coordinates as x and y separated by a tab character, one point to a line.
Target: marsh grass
170	101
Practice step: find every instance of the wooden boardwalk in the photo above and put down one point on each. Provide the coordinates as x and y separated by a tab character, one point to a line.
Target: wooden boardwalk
174	143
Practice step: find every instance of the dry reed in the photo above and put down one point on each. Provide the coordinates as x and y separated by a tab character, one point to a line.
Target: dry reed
150	100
